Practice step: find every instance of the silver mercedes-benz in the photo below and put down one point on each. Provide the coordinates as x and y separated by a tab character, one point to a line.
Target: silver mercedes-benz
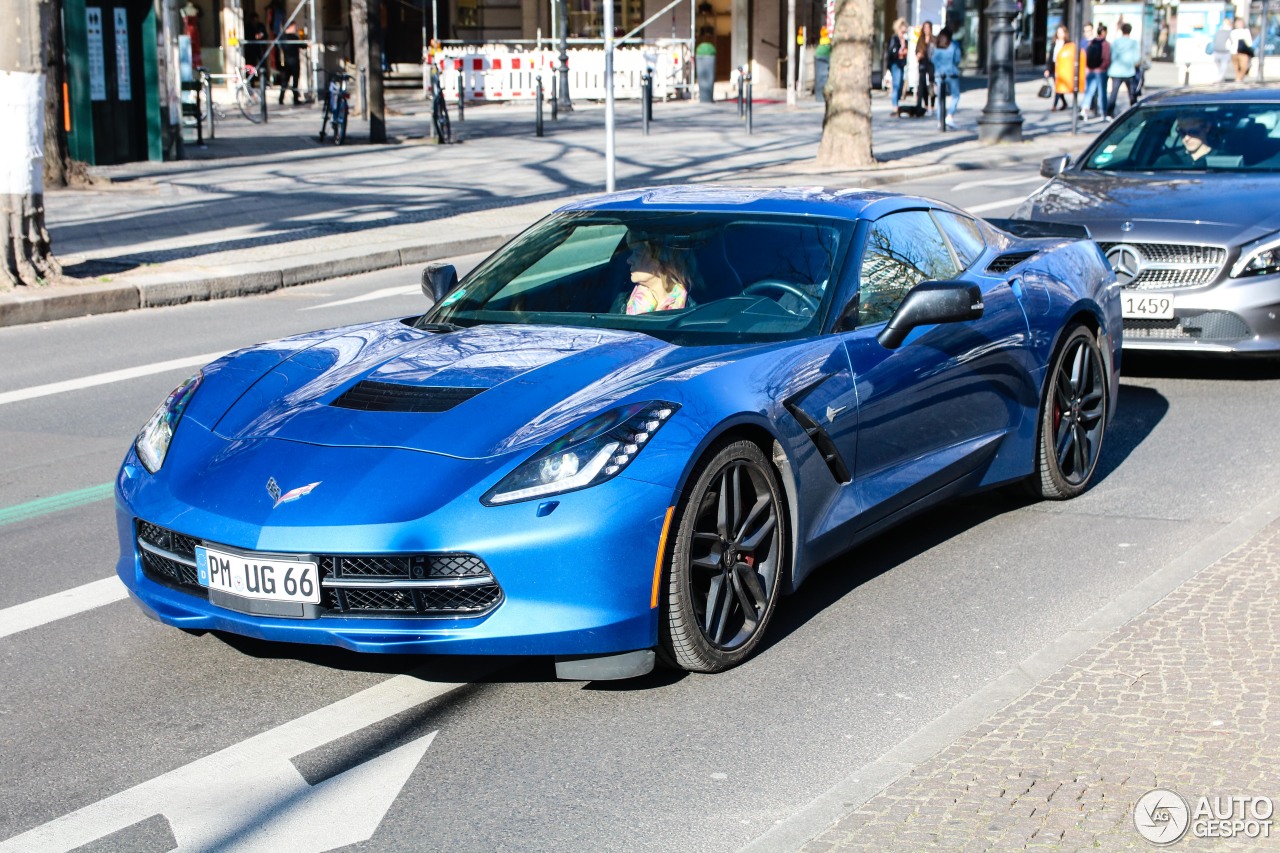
1182	193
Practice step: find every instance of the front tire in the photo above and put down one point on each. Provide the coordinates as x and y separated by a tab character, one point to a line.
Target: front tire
1073	418
340	122
726	566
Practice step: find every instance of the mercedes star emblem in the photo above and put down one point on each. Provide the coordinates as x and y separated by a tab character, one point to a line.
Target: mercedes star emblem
1126	263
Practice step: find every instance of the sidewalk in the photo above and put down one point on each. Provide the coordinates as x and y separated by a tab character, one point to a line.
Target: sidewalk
1185	697
268	206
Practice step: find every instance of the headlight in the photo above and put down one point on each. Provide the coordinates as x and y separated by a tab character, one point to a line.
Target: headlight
596	451
152	443
1261	257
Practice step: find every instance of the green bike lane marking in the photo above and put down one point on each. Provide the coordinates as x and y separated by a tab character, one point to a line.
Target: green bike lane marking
55	503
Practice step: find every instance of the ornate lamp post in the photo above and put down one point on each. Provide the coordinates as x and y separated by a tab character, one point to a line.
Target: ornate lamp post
1001	120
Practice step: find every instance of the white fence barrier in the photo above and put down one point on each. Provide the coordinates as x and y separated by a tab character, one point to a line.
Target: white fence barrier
505	75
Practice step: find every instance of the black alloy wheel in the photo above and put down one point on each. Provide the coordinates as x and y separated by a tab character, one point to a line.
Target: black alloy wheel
1073	418
725	567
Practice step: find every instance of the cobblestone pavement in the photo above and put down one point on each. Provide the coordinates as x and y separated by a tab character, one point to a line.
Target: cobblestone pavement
1185	697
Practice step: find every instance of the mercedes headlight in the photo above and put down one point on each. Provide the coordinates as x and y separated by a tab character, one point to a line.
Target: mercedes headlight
1261	257
597	451
152	443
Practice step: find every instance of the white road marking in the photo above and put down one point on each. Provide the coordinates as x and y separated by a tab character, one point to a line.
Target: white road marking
51	608
106	378
999	182
994	205
250	796
403	290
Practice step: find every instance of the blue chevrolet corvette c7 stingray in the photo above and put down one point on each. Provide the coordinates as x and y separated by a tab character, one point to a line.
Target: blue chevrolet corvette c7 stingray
626	433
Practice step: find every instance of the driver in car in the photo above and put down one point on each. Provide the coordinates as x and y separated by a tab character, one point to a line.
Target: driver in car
660	279
1196	137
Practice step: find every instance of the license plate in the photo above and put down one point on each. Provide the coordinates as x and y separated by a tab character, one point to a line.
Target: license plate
258	576
1147	306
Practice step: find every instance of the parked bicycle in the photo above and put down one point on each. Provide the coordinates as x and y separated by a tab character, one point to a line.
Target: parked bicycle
439	110
337	107
248	93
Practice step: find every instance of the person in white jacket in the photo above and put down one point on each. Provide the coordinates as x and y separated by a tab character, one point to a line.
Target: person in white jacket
1242	47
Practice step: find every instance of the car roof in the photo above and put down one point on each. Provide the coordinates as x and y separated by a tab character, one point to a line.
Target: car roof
844	203
1217	94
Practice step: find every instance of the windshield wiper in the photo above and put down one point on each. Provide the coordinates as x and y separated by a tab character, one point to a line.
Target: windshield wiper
440	327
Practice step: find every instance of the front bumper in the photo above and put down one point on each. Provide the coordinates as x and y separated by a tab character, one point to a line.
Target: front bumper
1234	316
575	581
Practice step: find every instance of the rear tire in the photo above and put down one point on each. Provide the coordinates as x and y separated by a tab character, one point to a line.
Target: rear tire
340	123
249	99
727	563
443	132
1073	418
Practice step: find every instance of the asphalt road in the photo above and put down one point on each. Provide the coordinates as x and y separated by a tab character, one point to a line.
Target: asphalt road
874	647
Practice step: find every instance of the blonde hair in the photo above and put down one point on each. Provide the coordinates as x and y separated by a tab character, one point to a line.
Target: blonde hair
899	24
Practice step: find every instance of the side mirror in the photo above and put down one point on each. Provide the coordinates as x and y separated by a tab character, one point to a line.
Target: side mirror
1051	167
437	280
931	302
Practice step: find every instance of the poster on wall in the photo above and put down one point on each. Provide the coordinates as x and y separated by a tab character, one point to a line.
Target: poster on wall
124	89
97	63
1197	22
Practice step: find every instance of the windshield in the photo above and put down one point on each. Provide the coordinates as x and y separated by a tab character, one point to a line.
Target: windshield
689	278
1218	137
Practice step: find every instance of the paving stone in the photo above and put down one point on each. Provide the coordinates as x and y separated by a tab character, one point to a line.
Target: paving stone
1185	696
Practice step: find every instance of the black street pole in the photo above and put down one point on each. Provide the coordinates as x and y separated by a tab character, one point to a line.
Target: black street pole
1001	121
563	93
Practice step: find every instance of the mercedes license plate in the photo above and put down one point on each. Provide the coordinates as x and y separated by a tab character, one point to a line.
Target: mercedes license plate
258	576
1146	306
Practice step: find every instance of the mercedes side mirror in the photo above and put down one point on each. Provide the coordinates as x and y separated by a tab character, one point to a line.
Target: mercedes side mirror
1051	167
931	302
437	280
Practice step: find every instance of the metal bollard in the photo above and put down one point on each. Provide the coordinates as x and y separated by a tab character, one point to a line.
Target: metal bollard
262	93
537	113
208	90
364	95
749	127
740	84
555	99
646	102
461	95
942	105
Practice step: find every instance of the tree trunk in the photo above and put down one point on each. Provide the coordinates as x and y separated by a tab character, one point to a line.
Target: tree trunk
25	256
56	159
846	127
366	41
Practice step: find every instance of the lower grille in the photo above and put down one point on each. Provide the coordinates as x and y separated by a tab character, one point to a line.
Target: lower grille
1221	326
352	585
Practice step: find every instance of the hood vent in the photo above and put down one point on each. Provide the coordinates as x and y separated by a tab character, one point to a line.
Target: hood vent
1008	261
371	396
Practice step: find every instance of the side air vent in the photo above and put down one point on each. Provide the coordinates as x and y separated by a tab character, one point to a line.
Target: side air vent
822	441
1008	261
371	396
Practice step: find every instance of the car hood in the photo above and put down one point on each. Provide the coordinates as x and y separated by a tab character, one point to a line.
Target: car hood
1222	209
500	388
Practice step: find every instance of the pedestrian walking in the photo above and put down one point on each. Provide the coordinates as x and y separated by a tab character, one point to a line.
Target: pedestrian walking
1060	68
1223	48
290	48
925	97
1242	41
1097	58
255	47
946	68
895	57
1126	54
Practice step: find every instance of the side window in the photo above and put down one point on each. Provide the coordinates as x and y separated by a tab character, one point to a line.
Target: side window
964	234
903	249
